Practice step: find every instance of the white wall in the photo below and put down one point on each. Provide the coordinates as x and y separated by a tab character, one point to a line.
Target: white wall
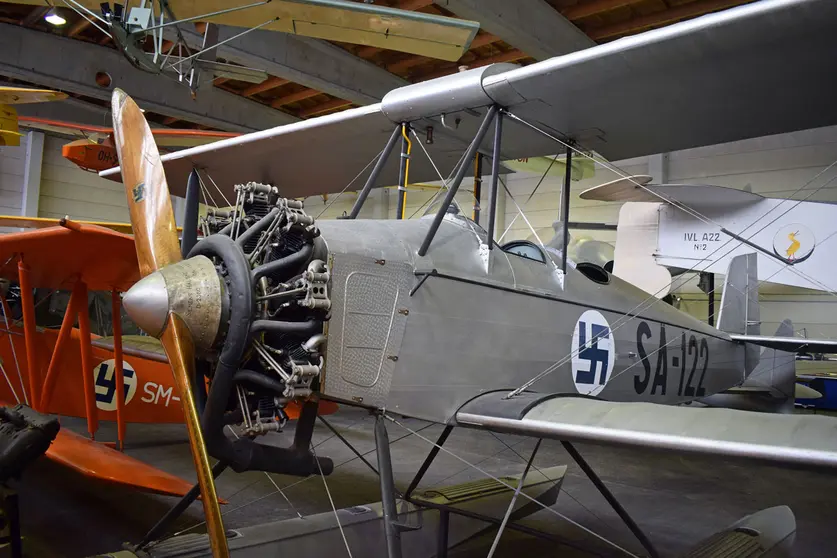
68	190
12	168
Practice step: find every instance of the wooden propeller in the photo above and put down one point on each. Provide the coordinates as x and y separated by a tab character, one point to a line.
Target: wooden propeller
155	237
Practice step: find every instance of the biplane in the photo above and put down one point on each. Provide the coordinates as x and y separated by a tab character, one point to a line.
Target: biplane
140	31
431	318
53	361
9	120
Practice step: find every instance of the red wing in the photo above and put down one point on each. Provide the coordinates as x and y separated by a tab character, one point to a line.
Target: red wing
95	460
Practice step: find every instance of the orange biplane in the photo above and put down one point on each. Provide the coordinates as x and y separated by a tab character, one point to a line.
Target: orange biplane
70	370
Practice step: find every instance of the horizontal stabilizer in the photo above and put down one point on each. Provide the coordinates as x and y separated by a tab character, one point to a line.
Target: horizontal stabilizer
790	440
638	189
790	344
95	460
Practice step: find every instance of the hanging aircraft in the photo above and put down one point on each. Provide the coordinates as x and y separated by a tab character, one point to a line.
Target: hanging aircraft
790	235
9	120
430	318
136	29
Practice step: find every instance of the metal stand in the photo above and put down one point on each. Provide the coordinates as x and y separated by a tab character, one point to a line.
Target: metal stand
611	499
165	522
434	451
391	527
11	510
442	534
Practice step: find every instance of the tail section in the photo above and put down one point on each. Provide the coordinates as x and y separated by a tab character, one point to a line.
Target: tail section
740	299
770	387
740	305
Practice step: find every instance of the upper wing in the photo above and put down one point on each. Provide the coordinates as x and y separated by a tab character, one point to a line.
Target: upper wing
637	189
796	440
435	36
59	256
714	79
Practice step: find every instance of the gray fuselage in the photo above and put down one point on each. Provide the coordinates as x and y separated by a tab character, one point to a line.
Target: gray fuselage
492	320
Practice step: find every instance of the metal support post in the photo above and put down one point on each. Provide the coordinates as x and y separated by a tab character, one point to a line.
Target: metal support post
403	165
495	176
711	301
477	186
190	215
86	359
70	315
565	205
611	499
442	534
391	529
434	451
162	525
118	373
27	303
457	180
373	176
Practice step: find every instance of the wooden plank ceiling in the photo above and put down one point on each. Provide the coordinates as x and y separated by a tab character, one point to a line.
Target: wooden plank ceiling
601	20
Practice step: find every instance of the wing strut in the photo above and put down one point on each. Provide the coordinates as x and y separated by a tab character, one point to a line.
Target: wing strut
608	495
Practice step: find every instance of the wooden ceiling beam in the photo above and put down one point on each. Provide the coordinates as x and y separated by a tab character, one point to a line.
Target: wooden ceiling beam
411	61
78	27
595	7
664	17
323	107
509	56
413	5
34	16
270	83
294	97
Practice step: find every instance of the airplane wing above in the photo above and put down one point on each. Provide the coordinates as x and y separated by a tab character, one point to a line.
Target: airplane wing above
750	71
637	189
58	256
789	440
445	38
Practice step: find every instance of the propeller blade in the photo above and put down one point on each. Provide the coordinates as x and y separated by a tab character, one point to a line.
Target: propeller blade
181	352
155	237
152	217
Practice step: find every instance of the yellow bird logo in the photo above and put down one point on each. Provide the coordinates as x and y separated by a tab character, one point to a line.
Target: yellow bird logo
794	245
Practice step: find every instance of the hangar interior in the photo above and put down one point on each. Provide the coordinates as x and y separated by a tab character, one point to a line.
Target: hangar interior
672	499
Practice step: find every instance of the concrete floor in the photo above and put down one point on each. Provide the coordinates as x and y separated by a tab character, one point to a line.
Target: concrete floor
677	500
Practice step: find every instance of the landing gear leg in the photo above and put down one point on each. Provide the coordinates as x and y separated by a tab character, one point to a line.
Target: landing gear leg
391	527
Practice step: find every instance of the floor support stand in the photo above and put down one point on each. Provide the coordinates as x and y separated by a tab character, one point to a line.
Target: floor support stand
171	516
391	527
611	499
428	461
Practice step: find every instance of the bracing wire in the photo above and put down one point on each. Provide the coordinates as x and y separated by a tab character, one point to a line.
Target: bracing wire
651	300
346	187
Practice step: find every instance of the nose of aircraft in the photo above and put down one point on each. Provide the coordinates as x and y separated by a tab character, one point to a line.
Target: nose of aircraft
147	303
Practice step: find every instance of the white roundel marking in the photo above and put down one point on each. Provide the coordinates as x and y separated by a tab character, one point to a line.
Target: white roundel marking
104	377
794	242
594	352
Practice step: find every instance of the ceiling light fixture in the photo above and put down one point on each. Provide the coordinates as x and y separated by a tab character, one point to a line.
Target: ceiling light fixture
53	18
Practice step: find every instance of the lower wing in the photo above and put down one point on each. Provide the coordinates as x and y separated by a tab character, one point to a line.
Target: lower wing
791	440
96	460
